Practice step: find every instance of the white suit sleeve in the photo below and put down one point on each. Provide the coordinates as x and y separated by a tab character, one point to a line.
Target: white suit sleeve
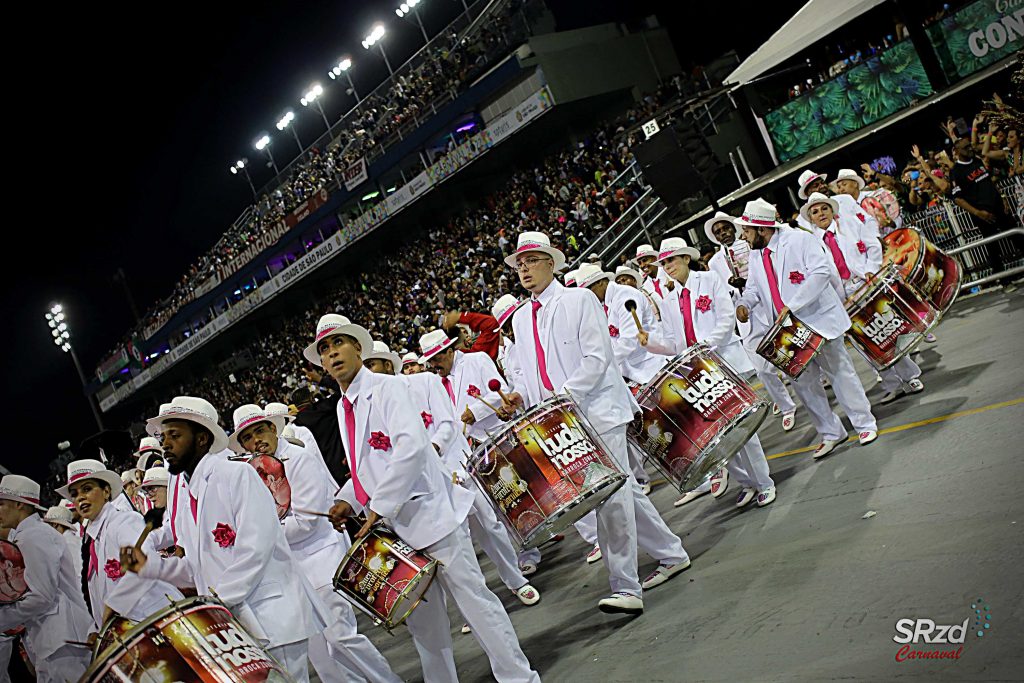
626	342
725	313
667	338
484	370
595	345
406	459
307	489
818	275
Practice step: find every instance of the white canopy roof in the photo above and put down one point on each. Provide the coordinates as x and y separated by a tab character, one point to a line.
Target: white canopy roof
814	21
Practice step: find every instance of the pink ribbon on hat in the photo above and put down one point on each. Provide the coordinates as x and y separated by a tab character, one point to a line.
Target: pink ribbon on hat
530	245
757	221
250	420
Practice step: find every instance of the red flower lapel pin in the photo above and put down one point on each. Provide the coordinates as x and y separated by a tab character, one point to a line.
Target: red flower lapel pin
703	303
428	419
224	535
473	391
379	441
862	248
613	331
796	277
113	569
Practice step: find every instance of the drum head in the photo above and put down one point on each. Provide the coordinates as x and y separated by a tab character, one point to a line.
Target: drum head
271	471
12	573
724	447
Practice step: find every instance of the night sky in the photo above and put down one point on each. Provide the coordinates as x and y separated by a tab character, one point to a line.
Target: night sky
121	128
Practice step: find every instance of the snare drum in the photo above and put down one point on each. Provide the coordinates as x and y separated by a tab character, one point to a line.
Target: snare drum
384	577
934	272
889	317
790	345
12	574
544	471
271	471
697	413
195	639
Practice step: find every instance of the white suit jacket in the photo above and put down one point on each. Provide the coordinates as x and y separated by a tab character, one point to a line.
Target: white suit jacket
476	369
52	610
861	250
635	362
254	573
443	428
714	326
573	332
73	539
720	264
396	465
807	283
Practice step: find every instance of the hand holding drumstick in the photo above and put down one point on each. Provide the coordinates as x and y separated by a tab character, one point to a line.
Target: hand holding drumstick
641	333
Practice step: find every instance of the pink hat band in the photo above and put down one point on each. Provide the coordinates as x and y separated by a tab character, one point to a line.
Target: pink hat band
251	420
81	475
531	246
409	361
320	334
757	221
19	494
506	314
440	347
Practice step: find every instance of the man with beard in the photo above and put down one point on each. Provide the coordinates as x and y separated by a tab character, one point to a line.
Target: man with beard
655	283
790	273
224	517
340	652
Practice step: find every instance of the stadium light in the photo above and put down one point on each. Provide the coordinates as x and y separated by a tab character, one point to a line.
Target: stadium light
61	334
312	96
375	38
240	165
340	68
263	144
409	7
285	122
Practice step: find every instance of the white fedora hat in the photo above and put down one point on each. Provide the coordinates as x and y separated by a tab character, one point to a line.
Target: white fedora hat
128	477
246	416
332	324
149	450
590	274
847	174
719	217
676	246
805	179
815	199
156	476
758	213
81	470
192	409
433	343
276	409
645	250
632	272
21	490
535	241
59	514
289	435
504	307
382	351
570	278
410	358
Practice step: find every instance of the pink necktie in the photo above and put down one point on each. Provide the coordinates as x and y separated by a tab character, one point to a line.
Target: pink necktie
448	385
194	504
541	362
684	308
350	428
773	281
837	254
94	562
657	288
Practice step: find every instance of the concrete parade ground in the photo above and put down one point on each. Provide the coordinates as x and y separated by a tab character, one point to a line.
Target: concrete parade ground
811	587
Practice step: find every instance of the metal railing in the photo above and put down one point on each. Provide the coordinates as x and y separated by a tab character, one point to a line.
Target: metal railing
623	228
1006	272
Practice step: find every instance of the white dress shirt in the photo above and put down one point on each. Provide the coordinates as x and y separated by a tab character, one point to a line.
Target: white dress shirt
634	361
473	372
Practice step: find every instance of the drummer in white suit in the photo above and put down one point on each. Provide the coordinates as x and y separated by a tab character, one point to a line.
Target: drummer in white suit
339	653
397	478
564	348
226	520
52	610
60	518
700	309
851	215
790	271
438	413
655	282
858	256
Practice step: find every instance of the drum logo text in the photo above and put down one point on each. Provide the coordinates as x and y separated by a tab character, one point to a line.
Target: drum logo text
235	650
882	326
566	446
801	335
706	388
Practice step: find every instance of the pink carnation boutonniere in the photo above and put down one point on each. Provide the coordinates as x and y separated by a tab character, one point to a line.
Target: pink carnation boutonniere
703	303
613	331
862	248
473	391
428	419
113	570
796	277
224	535
861	217
380	441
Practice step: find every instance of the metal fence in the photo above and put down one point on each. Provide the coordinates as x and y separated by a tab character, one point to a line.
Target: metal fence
950	227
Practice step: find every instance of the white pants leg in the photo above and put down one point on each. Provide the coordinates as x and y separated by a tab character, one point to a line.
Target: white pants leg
492	536
587	526
340	652
837	365
753	466
6	650
294	658
776	390
636	464
68	663
901	372
430	629
462	579
616	522
825	420
532	556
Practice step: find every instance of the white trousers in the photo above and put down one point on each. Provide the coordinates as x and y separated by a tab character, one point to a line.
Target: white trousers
834	361
6	650
776	389
460	577
340	653
492	536
901	372
636	463
68	663
749	467
294	658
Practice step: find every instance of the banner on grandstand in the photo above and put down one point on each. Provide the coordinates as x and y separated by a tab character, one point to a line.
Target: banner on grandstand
408	192
300	212
201	337
460	156
107	403
514	119
110	366
207	285
977	35
368	220
355	174
311	261
243	307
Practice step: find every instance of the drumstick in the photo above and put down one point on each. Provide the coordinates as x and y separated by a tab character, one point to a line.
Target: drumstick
145	533
495	385
479	398
310	512
78	643
631	307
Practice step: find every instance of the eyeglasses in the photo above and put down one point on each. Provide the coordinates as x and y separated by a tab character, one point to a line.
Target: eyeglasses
528	263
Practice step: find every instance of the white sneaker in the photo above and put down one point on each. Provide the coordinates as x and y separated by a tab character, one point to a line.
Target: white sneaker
788	421
914	386
930	338
466	628
746	496
663	573
691	496
775	409
891	396
867	437
645	487
824	448
878	378
719	482
766	497
528	595
621	603
528	568
594	555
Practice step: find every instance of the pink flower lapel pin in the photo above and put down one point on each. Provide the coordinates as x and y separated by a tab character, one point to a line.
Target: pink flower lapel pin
703	303
860	216
862	248
380	441
428	419
473	391
613	331
796	277
113	570
224	535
